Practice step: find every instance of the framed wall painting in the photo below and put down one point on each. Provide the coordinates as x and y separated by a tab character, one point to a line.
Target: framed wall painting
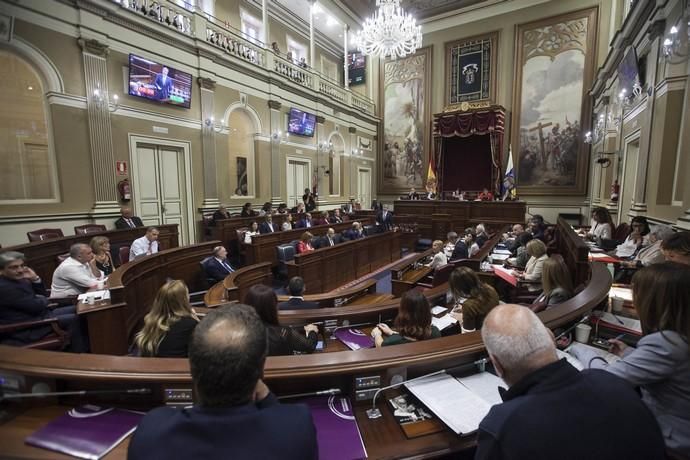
554	68
471	70
403	153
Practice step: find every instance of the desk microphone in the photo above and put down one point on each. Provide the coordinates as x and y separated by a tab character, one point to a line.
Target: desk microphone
329	392
374	412
583	320
45	394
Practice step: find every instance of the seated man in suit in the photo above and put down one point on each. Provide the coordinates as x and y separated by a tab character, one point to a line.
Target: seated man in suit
74	275
456	248
485	195
355	232
218	267
336	218
23	298
267	226
349	208
296	302
220	214
413	195
329	239
385	218
550	409
236	415
146	245
306	222
127	220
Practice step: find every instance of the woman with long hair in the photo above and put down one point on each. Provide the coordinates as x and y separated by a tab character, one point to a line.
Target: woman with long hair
472	299
102	262
413	322
601	226
169	324
252	231
556	283
281	340
660	364
636	240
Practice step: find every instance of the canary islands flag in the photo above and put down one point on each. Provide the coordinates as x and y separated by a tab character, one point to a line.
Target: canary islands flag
431	175
508	191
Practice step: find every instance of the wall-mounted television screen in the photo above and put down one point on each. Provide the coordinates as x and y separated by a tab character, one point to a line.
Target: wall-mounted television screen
158	82
628	72
301	123
356	67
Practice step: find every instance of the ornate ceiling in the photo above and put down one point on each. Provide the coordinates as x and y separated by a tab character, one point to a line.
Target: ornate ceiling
421	9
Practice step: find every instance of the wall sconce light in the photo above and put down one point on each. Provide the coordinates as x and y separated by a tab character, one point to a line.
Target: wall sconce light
102	101
280	137
325	146
210	123
356	152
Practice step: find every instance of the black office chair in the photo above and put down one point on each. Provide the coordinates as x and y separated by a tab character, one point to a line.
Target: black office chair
286	253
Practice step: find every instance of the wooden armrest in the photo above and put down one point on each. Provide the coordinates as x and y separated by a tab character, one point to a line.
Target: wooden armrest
63	301
7	328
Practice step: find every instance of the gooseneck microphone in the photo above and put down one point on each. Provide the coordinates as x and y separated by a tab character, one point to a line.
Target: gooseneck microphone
329	392
374	412
583	320
46	394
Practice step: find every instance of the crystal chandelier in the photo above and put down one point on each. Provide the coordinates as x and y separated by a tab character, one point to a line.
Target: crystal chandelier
389	32
676	46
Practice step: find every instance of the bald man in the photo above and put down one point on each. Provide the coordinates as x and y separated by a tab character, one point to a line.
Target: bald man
552	411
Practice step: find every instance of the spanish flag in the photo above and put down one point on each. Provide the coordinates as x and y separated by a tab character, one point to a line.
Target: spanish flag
431	182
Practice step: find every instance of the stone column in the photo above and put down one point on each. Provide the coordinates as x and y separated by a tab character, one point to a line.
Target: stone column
275	126
207	89
312	42
95	54
346	83
264	20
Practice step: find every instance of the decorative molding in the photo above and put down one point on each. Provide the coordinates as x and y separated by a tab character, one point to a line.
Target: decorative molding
6	28
249	110
206	83
352	130
320	119
274	105
670	84
93	46
51	78
656	29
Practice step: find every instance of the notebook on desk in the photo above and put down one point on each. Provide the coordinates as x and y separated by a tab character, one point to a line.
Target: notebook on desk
354	339
86	432
337	432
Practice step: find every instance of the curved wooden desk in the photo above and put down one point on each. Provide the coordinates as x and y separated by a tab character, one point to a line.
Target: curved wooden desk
296	374
133	286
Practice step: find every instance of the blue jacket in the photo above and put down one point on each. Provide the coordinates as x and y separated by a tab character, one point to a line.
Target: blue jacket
21	300
557	412
264	430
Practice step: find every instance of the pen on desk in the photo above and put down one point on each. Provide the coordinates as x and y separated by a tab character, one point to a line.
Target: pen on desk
618	319
619	337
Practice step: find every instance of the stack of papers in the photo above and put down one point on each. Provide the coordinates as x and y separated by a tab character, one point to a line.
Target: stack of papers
100	295
460	403
443	322
501	251
609	357
621	293
623	322
437	310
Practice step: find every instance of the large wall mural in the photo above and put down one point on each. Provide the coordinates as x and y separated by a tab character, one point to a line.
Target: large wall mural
406	130
554	71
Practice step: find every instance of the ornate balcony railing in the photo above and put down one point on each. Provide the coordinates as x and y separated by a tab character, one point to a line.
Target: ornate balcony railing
193	23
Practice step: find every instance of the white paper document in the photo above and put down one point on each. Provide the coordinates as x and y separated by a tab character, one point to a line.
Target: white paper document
622	321
485	385
102	295
621	293
609	357
452	402
576	363
501	251
437	310
443	322
499	257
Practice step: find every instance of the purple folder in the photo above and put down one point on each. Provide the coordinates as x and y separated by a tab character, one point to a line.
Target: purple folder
86	432
354	338
336	428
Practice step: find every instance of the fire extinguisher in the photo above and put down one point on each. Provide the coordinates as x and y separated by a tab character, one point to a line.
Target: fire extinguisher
124	190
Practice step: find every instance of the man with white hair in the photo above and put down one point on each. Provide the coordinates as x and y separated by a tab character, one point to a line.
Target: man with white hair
553	411
652	254
74	276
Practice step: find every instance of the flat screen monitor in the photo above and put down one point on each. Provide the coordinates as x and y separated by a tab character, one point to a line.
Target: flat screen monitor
356	68
301	123
158	82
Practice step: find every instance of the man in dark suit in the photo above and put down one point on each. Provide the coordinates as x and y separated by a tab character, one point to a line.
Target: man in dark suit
128	220
267	226
456	248
218	267
385	218
413	195
163	84
335	218
355	232
236	416
306	222
329	239
550	409
296	301
220	214
24	298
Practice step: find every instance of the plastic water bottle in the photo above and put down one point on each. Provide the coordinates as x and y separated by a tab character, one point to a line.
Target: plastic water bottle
611	268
